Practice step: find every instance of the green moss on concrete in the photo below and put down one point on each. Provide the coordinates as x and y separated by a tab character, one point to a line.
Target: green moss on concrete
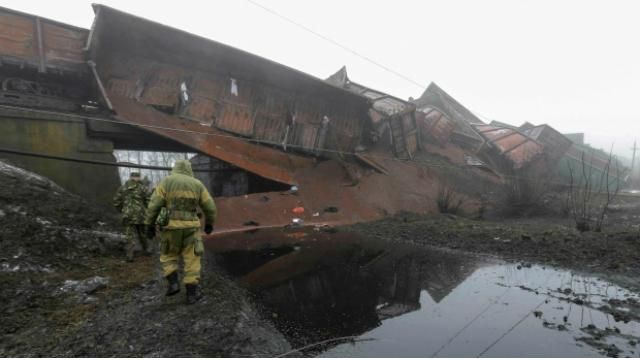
62	138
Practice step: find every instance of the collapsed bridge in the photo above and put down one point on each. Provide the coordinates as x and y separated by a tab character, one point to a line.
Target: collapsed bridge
130	83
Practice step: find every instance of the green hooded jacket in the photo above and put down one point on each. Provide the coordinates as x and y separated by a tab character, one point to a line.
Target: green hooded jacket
131	200
181	194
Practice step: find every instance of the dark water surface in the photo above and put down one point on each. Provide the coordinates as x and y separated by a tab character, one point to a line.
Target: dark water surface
400	300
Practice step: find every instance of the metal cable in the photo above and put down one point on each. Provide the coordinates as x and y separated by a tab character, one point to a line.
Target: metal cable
343	47
352	338
346	48
257	141
470	323
511	328
92	162
272	143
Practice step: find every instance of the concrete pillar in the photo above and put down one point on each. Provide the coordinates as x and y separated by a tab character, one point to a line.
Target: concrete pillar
62	136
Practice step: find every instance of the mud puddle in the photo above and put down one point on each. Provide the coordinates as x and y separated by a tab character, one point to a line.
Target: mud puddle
371	298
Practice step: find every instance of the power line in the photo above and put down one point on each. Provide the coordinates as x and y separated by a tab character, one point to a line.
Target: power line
346	48
633	159
511	328
256	141
343	47
352	338
92	162
455	336
259	141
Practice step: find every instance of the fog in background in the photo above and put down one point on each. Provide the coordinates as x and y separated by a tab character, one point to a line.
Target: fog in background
153	158
572	64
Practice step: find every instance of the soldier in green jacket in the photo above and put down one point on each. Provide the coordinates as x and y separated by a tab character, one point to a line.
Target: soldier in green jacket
131	200
181	194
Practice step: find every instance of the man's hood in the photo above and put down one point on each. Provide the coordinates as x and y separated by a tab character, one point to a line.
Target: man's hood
130	183
182	167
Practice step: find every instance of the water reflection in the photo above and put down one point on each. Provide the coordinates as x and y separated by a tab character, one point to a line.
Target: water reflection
419	302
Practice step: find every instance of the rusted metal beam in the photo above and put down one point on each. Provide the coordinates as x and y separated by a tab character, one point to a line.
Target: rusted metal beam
503	136
516	146
367	160
486	130
261	160
42	67
92	30
103	92
436	122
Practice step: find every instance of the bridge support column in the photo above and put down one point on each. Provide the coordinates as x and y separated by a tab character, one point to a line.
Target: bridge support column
60	135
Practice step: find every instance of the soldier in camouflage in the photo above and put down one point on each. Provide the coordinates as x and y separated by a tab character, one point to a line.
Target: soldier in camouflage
131	200
177	199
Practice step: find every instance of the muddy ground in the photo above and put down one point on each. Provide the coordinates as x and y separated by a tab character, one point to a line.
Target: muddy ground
66	291
614	252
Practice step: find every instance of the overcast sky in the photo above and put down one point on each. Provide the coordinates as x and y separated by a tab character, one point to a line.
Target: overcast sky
572	64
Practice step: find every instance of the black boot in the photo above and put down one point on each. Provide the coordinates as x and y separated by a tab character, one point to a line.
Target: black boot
193	293
173	286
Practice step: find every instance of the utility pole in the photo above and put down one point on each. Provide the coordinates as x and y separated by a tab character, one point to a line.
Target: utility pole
633	159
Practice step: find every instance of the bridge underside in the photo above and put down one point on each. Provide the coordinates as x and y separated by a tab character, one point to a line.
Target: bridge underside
130	137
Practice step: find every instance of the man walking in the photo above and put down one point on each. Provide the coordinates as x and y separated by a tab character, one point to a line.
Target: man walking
181	194
131	200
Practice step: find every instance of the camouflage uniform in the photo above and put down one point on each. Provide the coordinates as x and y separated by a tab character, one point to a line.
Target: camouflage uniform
131	200
181	194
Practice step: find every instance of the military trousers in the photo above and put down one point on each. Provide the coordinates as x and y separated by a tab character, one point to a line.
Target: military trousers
135	233
185	244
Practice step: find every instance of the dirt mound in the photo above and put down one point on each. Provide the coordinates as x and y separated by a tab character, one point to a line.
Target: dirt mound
144	322
62	272
31	195
44	227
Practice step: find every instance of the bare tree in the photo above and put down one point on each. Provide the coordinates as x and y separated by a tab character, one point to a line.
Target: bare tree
609	193
164	159
589	202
